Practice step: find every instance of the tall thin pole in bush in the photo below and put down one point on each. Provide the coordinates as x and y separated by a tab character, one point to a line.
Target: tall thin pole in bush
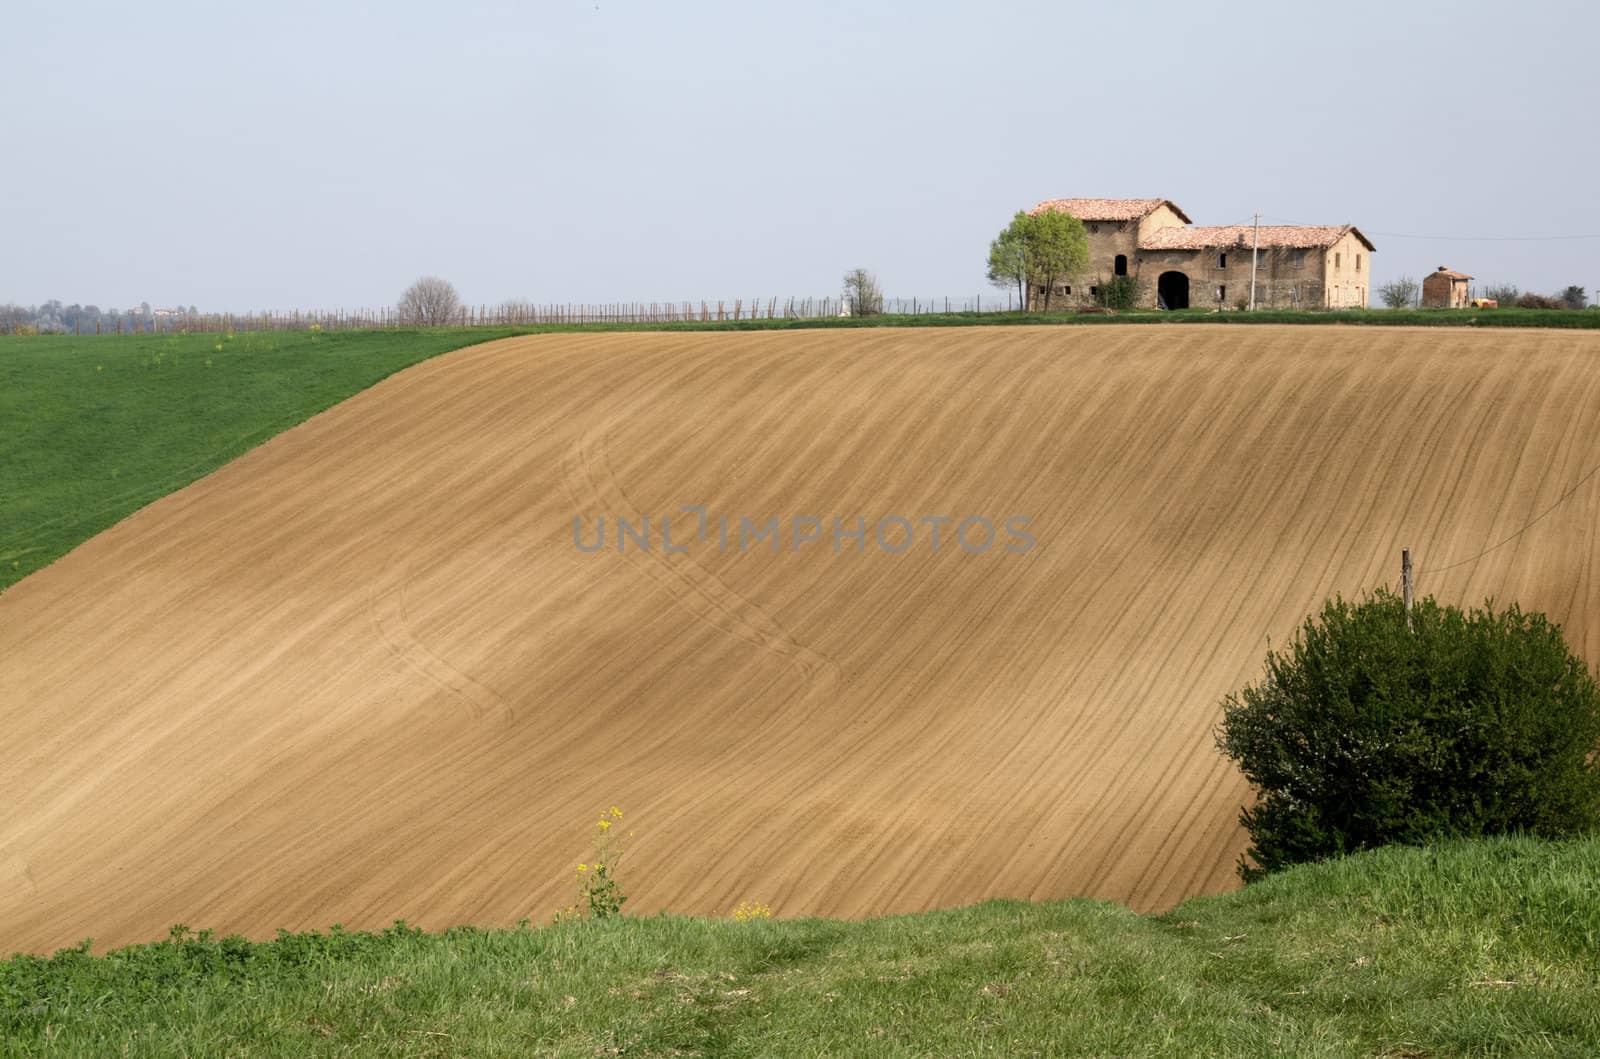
1407	584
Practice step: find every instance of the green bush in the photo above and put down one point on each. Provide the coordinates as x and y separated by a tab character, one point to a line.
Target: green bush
1118	292
1365	732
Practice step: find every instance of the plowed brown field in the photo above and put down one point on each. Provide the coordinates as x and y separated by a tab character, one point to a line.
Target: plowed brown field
363	673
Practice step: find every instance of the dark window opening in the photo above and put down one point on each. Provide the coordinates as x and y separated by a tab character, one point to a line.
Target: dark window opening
1121	265
1222	260
1222	293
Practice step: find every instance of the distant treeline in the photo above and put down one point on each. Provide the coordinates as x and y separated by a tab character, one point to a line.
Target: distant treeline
54	318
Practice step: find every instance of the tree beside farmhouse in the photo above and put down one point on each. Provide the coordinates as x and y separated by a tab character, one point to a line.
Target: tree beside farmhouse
1036	252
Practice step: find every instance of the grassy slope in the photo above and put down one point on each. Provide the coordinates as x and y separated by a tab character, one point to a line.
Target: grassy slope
1489	948
95	428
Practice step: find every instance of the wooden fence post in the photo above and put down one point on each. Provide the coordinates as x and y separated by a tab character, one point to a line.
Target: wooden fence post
1407	584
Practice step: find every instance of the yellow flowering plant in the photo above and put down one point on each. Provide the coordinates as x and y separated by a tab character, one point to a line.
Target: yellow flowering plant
597	881
748	910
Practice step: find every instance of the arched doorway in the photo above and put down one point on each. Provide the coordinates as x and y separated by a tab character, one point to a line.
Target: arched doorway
1173	290
1120	265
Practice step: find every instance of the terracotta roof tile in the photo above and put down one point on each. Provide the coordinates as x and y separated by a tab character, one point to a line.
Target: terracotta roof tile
1449	272
1241	236
1108	209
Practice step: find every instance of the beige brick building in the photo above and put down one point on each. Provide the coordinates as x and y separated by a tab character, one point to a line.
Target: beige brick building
1180	265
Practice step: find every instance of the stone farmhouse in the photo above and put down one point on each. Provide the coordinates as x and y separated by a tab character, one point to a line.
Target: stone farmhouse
1180	265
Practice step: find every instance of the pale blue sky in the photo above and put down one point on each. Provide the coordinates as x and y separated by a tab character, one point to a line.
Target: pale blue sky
315	155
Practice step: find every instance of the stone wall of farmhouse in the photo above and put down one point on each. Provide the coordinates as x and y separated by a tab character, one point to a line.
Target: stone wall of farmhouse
1107	240
1285	278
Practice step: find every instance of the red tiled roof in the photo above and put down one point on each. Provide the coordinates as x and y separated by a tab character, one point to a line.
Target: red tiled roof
1108	209
1450	273
1242	236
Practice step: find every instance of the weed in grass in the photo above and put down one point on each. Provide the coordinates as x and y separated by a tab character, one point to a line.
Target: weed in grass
598	892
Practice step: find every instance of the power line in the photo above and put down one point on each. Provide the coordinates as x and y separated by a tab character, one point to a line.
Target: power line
1562	499
1462	238
1487	238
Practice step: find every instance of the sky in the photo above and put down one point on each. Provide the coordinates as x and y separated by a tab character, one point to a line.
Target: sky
318	155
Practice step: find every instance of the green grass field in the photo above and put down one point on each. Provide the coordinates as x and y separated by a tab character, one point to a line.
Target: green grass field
1489	948
95	428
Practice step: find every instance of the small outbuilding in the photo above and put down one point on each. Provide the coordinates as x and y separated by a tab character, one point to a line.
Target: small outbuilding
1445	289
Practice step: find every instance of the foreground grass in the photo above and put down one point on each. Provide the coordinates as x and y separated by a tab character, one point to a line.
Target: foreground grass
1480	949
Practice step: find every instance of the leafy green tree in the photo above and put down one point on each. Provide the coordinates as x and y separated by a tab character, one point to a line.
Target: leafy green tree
1037	250
1365	732
1056	249
1008	265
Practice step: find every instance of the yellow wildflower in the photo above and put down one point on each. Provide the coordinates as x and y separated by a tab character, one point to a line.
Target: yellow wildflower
616	813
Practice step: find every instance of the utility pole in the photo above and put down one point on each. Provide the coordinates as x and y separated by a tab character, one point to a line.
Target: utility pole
1408	589
1255	252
